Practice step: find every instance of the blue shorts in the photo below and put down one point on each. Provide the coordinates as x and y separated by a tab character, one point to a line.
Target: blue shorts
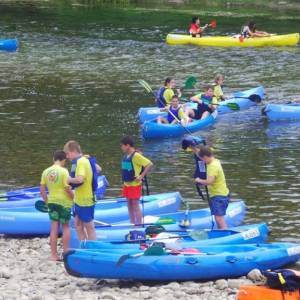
218	205
84	213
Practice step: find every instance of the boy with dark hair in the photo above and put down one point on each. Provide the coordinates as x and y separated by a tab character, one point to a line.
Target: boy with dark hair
207	103
134	168
59	200
216	183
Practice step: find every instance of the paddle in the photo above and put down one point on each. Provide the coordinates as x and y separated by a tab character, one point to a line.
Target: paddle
149	89
213	24
185	222
254	98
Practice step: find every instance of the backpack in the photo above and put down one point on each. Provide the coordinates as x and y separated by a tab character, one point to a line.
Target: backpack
282	279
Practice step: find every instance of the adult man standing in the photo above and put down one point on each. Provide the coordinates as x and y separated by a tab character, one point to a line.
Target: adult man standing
82	181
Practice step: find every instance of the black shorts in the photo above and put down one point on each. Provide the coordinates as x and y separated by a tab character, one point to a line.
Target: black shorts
201	109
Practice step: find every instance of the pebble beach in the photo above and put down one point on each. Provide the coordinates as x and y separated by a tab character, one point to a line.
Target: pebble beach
27	273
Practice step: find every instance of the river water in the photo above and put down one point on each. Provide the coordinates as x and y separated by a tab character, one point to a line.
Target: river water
75	77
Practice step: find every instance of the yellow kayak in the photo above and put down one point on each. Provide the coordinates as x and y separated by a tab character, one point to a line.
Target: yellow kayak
228	41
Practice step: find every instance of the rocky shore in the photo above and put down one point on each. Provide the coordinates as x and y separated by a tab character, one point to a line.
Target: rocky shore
26	273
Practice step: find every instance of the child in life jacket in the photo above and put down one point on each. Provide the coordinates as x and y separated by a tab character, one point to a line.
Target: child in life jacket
175	113
249	30
165	93
207	103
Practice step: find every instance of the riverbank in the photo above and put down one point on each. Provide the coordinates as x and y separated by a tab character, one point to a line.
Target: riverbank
26	273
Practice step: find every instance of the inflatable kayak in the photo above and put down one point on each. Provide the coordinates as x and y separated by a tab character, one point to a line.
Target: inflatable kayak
234	41
247	234
28	196
9	45
152	129
29	221
275	112
240	101
211	262
265	293
197	219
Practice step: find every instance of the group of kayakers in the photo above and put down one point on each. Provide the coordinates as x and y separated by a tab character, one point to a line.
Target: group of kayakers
247	31
73	193
207	102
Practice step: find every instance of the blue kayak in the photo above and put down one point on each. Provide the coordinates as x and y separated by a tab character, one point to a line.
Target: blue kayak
9	45
28	196
198	219
152	129
29	221
246	234
275	112
240	100
212	262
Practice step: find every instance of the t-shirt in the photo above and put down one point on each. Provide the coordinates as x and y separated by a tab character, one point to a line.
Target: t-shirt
138	161
168	95
213	101
55	178
219	187
218	92
83	194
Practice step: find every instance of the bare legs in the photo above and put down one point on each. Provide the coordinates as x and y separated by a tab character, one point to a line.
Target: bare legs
134	210
220	222
85	231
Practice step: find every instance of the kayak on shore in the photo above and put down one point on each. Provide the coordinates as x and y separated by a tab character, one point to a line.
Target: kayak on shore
28	196
199	263
197	219
29	221
246	234
240	101
234	41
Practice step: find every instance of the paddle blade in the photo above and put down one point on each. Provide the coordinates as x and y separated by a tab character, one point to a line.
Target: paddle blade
190	83
41	206
233	106
165	221
213	24
198	235
124	257
241	39
255	98
145	85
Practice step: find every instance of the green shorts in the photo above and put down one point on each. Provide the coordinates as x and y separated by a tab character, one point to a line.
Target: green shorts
59	213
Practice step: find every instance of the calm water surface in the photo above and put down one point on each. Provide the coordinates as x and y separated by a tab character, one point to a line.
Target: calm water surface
75	77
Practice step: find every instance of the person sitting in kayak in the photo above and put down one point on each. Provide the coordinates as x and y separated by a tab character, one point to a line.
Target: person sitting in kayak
195	29
165	93
207	103
249	30
175	113
218	91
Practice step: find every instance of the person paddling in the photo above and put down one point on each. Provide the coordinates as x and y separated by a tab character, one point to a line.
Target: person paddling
175	113
59	201
207	103
83	175
165	93
195	30
134	168
249	31
216	183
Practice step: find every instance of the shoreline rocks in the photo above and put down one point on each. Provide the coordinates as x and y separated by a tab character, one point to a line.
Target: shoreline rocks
26	273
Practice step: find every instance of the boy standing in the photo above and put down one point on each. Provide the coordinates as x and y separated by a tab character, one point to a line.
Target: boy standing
216	183
134	168
81	180
59	201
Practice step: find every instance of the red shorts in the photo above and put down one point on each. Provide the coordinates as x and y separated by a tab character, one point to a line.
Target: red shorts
132	192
